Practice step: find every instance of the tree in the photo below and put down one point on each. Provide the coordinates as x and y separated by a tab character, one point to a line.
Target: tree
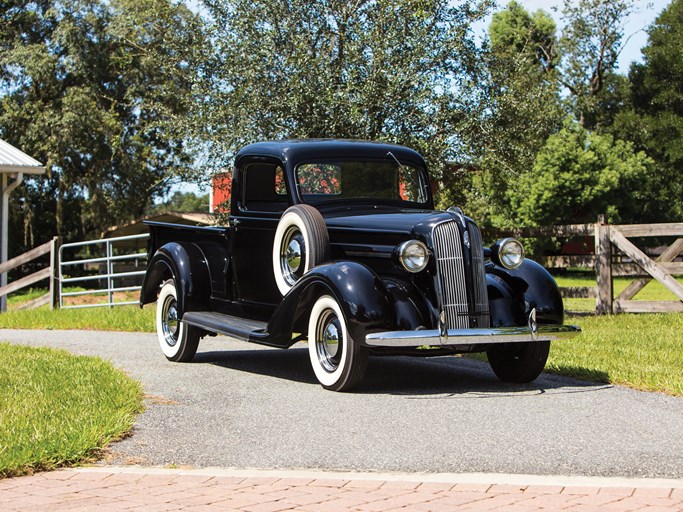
402	71
94	88
579	174
182	202
524	107
590	45
654	123
515	33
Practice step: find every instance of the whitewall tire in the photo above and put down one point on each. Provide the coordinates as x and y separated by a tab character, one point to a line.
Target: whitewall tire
178	341
338	362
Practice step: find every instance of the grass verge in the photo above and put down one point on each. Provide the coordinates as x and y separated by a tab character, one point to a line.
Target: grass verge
640	351
58	409
119	318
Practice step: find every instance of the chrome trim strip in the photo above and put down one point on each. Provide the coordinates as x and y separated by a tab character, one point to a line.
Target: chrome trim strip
481	297
471	336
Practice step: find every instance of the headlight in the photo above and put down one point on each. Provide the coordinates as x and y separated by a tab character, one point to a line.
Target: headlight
508	252
413	255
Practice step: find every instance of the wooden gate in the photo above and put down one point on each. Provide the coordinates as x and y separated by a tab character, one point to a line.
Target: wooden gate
640	265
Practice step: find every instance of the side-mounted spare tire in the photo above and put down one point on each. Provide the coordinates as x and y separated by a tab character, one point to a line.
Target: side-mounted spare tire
301	243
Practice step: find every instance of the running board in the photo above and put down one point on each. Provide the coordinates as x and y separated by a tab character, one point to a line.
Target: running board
240	328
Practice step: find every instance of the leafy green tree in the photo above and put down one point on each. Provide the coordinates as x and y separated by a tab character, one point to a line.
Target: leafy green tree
580	174
94	88
402	71
524	107
515	33
654	123
590	44
187	202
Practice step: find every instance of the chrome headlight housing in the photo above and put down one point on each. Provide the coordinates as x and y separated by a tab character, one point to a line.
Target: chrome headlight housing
508	252
413	255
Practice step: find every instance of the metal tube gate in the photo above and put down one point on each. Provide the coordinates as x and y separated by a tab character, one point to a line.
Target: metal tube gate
109	277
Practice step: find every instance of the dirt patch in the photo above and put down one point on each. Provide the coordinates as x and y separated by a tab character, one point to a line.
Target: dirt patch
101	298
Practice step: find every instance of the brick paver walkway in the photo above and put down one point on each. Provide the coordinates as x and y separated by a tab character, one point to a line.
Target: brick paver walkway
153	489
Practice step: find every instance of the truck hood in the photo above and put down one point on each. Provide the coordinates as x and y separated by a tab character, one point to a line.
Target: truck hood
394	222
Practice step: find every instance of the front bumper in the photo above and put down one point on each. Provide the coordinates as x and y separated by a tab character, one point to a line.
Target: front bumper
456	337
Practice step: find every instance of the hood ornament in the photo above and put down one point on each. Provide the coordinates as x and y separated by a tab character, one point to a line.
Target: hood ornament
457	211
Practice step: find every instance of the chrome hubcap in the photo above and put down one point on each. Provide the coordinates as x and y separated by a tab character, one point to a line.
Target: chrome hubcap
329	341
292	255
170	322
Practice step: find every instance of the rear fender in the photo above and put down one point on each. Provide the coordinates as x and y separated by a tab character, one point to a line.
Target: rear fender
186	265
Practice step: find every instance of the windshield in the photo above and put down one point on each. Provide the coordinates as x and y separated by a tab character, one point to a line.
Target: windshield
338	181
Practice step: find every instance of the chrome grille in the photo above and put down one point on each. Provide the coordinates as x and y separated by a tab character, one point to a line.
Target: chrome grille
451	282
451	275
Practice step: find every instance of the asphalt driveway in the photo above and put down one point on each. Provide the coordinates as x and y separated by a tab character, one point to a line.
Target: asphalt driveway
239	405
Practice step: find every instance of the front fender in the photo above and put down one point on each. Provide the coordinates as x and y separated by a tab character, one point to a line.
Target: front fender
186	265
530	283
360	292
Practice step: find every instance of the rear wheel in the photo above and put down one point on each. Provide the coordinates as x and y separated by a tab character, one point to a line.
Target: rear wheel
338	361
178	341
519	362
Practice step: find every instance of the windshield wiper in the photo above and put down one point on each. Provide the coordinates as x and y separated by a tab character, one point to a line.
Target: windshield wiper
400	165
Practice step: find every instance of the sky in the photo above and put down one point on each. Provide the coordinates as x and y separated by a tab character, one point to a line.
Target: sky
635	26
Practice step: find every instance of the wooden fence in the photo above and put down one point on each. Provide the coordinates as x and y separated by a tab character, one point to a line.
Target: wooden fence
51	297
613	254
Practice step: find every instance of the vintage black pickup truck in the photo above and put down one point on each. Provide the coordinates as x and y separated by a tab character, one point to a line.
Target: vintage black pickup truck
338	243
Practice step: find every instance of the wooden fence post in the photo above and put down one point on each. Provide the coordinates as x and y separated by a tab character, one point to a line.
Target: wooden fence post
54	272
603	267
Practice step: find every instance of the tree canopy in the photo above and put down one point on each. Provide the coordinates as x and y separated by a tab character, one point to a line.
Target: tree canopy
536	168
117	97
402	71
579	174
653	118
92	88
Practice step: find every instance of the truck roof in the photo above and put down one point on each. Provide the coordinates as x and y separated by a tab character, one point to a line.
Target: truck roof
295	151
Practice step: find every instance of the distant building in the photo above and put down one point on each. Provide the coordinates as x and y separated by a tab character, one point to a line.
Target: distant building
221	188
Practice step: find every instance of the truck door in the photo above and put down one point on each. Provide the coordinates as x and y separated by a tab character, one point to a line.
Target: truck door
261	202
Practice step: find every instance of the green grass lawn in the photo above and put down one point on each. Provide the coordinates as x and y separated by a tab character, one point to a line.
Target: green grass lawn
643	351
119	318
58	409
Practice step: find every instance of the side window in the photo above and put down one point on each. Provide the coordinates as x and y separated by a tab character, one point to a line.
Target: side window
280	185
265	188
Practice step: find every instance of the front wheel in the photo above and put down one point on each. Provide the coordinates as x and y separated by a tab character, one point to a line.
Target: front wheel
338	361
178	341
519	362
